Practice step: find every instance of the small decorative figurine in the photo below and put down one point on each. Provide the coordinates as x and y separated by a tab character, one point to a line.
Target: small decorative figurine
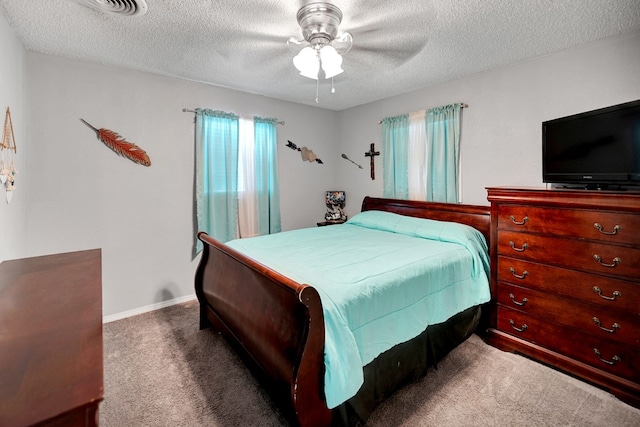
335	201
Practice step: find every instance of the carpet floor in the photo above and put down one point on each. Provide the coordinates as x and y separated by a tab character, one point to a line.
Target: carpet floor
160	370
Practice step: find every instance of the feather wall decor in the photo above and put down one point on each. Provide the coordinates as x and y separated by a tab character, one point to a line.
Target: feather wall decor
121	146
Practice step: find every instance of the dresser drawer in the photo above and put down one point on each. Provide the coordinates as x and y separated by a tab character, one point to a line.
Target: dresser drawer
622	261
602	322
617	294
603	354
611	227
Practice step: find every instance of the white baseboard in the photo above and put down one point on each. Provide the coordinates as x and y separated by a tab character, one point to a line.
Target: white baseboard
147	308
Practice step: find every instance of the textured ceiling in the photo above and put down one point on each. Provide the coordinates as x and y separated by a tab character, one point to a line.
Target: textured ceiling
398	45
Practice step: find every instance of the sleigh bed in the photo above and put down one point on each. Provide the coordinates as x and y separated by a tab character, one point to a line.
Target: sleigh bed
277	324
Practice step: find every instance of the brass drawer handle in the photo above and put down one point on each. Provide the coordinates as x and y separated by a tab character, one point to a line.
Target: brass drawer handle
610	233
513	325
613	327
513	246
517	276
523	222
524	301
614	360
598	291
615	262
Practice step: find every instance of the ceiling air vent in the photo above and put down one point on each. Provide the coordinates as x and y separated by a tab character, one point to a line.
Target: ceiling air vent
117	7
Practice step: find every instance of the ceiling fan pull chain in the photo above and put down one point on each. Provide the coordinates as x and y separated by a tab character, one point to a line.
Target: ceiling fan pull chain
333	89
317	85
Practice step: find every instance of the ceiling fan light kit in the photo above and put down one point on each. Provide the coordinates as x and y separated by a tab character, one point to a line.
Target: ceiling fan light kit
324	48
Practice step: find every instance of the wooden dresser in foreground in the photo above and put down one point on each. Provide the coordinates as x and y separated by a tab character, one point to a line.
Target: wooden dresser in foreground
51	359
566	282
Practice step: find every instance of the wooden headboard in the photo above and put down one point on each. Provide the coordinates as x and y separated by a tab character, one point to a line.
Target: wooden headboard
478	217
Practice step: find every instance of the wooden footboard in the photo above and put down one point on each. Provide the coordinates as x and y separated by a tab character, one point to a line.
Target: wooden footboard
277	324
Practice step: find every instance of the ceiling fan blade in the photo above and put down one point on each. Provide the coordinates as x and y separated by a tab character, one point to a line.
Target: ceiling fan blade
384	58
365	15
296	45
391	41
343	43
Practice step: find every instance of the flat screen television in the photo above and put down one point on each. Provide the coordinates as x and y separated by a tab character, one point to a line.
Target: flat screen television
593	150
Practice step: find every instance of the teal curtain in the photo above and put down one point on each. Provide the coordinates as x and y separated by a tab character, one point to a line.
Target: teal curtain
266	175
395	157
216	174
443	147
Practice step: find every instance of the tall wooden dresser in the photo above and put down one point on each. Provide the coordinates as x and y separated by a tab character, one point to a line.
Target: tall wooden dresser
566	282
51	350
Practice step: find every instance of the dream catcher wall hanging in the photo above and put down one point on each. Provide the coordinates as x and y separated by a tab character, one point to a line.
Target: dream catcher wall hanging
8	149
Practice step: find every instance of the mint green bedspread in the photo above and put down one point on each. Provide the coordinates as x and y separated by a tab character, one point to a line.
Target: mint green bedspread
382	278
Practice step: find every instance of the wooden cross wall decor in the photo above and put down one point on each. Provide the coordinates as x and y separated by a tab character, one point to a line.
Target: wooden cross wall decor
372	153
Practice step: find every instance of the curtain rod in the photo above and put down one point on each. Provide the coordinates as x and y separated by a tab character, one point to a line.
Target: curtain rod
186	110
462	105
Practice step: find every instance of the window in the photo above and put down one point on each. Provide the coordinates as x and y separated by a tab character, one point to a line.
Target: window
421	155
237	193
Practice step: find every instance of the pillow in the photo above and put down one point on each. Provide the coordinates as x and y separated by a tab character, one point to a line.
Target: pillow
377	220
443	231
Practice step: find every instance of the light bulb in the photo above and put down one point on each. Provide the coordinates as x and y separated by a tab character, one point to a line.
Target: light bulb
331	61
307	62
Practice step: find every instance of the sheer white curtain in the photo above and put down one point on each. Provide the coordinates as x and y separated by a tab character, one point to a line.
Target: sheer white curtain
247	197
417	177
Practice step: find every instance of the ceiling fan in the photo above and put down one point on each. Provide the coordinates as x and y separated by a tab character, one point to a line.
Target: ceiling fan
323	44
